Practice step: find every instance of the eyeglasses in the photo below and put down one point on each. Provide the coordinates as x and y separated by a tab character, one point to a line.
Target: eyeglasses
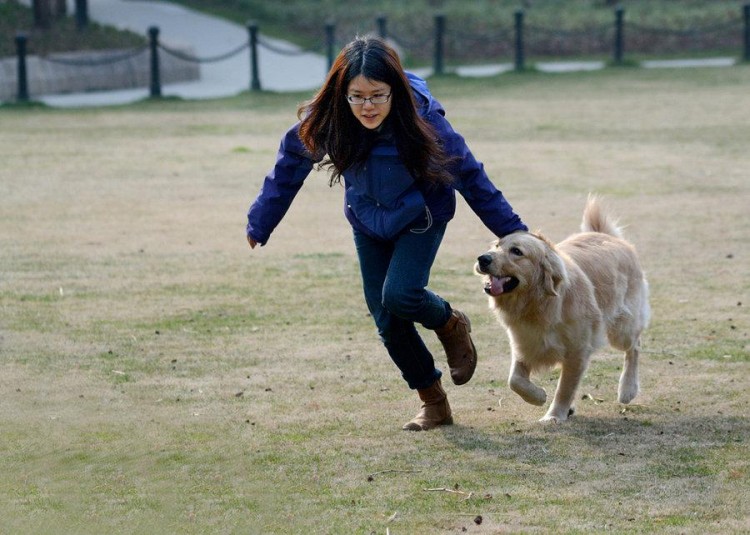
377	99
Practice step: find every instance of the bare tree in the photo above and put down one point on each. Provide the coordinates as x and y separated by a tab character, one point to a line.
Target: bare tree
42	13
61	9
82	13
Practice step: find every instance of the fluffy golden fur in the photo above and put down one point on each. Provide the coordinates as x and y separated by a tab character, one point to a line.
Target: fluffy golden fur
560	303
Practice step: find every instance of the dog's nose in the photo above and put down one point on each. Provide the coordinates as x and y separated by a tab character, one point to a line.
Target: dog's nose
484	261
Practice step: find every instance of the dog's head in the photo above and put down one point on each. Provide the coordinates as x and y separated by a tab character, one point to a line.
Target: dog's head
521	263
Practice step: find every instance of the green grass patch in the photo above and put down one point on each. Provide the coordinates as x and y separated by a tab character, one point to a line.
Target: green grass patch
182	383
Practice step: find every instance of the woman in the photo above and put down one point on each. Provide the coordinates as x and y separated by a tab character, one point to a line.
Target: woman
380	129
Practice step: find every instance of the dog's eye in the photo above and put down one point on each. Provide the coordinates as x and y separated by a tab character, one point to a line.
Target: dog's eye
516	251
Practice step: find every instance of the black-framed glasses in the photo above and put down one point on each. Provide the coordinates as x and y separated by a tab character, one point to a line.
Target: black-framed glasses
377	99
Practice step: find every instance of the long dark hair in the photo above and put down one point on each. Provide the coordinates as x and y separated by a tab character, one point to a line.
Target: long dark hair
328	126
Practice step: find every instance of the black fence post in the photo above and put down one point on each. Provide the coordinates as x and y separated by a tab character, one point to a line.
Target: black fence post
382	26
252	30
746	16
519	41
153	36
439	32
82	14
330	42
619	34
23	81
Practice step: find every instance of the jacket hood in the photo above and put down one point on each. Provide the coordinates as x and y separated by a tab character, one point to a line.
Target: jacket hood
425	101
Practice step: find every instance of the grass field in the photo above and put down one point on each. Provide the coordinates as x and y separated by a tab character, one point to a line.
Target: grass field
160	377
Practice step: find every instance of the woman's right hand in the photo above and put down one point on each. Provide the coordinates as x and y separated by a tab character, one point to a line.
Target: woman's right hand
252	242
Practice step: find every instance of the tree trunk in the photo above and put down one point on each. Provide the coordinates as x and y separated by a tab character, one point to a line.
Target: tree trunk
61	9
42	14
82	14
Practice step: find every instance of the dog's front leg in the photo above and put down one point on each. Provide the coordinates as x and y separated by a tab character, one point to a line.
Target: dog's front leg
567	386
519	382
628	388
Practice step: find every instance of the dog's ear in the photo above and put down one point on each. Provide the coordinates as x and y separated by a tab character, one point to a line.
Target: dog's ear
553	271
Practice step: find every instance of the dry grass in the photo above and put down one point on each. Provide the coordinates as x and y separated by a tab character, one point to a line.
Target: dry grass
157	376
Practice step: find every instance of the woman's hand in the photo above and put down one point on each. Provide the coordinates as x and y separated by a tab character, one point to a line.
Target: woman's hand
252	242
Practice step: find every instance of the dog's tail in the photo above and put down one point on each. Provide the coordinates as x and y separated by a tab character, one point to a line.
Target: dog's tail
596	220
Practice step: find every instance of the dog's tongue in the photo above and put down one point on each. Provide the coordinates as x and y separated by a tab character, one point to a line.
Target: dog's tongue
496	285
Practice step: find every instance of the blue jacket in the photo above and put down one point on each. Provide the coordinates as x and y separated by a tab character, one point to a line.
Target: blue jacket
381	198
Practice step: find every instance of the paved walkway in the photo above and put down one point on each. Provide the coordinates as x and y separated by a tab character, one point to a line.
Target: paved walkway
210	37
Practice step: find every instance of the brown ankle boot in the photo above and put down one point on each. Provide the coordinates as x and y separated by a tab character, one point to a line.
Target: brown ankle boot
460	350
435	409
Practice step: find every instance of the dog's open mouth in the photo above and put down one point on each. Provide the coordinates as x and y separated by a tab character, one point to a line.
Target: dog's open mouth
500	285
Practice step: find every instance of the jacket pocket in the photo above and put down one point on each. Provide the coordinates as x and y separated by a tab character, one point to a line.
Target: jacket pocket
386	221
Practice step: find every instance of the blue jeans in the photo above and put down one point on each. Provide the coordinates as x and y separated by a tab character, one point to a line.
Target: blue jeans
394	277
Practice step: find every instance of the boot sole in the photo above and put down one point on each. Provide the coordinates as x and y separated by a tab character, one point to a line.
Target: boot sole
417	427
460	382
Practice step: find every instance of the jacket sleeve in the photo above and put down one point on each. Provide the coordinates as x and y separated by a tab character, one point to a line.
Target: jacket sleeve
472	182
281	185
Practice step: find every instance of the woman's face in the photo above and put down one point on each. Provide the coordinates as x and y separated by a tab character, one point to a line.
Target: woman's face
369	114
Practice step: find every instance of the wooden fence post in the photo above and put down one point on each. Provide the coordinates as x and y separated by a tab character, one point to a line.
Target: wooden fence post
382	26
520	60
252	29
439	31
619	36
23	82
153	35
82	14
330	42
746	17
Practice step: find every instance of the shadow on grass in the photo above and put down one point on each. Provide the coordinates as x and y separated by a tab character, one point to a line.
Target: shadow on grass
682	438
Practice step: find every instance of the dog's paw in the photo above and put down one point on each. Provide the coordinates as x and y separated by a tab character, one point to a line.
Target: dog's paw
528	391
627	392
555	416
538	396
551	420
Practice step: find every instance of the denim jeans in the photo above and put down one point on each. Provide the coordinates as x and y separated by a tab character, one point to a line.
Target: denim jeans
394	277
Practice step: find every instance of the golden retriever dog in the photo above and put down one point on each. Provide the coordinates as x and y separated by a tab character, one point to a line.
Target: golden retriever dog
560	303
